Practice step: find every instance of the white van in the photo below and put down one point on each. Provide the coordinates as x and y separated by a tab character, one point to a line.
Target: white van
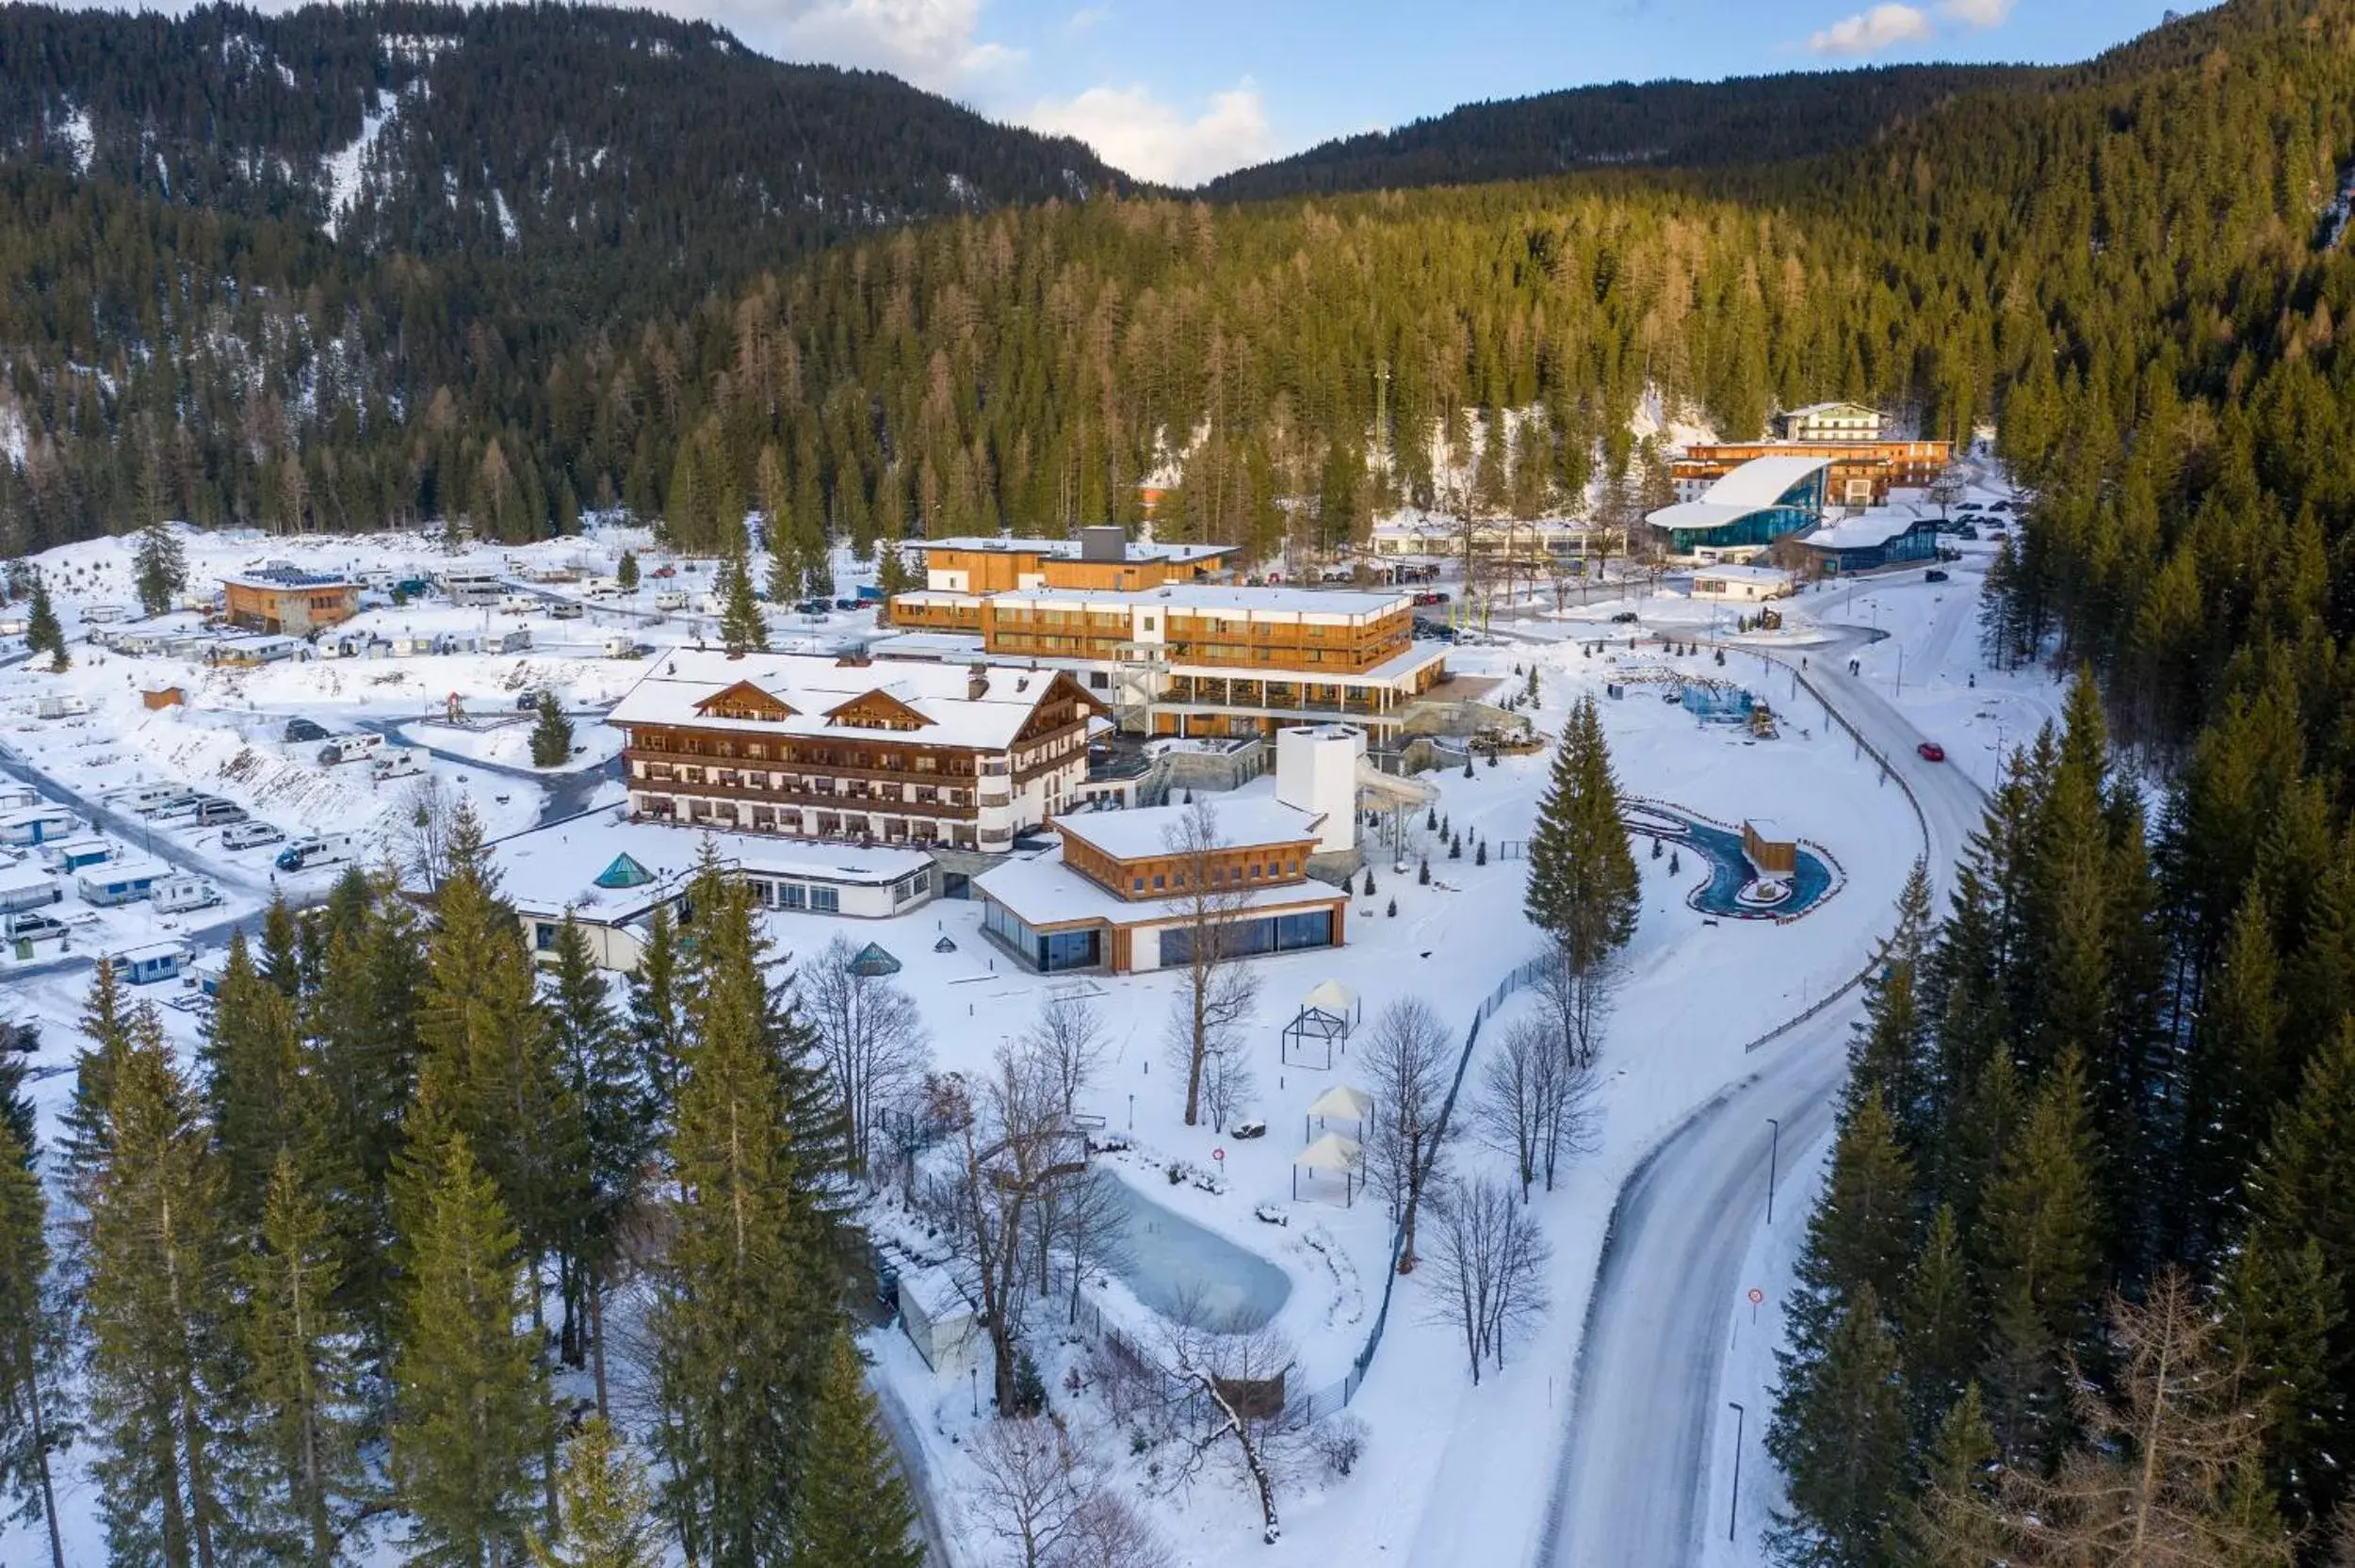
30	924
350	748
602	587
245	835
175	894
146	798
315	849
670	599
214	812
519	604
396	764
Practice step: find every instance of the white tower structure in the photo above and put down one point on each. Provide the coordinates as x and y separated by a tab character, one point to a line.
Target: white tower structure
1316	770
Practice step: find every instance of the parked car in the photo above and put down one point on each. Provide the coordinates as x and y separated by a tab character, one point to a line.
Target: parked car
213	812
848	605
1625	618
1999	505
663	572
1967	531
1431	596
1969	505
1934	575
396	764
526	701
245	835
1931	752
185	804
304	729
27	925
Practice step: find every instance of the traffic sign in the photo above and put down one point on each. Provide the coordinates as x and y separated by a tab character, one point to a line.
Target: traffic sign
1757	1295
1219	1155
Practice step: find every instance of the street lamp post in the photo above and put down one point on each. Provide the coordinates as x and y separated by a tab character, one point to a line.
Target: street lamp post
1774	1159
1733	1510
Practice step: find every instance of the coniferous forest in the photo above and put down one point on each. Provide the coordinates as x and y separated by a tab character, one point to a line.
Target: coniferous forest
330	1271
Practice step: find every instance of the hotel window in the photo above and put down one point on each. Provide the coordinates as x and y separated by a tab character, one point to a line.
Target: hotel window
825	900
792	896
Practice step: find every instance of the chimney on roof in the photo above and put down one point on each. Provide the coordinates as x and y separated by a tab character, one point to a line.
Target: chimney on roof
977	683
1103	543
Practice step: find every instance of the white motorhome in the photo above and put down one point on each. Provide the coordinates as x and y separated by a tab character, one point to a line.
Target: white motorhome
176	894
147	798
350	748
315	849
396	764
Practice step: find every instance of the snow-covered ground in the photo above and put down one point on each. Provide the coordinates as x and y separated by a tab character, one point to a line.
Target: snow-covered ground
1451	1474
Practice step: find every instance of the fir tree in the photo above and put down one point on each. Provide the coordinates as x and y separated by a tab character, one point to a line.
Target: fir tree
1863	1233
1954	1520
42	634
604	1077
742	627
551	735
1938	1326
302	1478
261	1101
470	1413
2236	1078
656	1026
605	1508
742	1313
158	1306
625	572
105	1024
33	1329
1584	889
282	948
1889	1049
159	568
1840	1437
854	1511
2277	1310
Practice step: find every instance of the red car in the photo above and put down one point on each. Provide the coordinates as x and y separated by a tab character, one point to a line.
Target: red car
1931	752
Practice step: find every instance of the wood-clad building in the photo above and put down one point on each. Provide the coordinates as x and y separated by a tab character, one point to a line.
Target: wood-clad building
1102	558
813	747
281	601
1125	894
1862	472
1204	659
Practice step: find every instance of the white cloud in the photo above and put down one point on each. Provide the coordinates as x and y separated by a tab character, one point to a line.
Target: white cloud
1134	131
933	44
1976	13
1085	18
1870	32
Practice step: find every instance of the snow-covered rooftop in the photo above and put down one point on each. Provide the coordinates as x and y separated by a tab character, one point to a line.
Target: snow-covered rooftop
1134	551
1148	830
1045	892
1755	486
565	865
1877	527
813	685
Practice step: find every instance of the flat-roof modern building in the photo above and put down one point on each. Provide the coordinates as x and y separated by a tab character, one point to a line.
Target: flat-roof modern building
1862	472
1100	557
1743	513
892	753
1203	659
1129	891
280	600
610	875
1874	539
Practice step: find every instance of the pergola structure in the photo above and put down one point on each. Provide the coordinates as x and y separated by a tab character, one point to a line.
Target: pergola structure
1325	1017
1331	1156
1340	1103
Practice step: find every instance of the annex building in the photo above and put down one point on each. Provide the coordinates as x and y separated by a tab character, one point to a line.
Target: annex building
1741	514
1205	659
848	750
1126	894
1100	557
281	601
1862	473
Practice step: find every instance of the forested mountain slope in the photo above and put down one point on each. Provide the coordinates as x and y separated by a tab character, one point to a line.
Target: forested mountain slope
1668	125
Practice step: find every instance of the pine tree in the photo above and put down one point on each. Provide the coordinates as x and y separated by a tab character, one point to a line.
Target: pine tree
105	1024
2277	1311
551	735
743	628
606	1509
854	1511
2236	1078
1840	1436
33	1350
604	1078
1954	1521
1938	1326
159	1309
261	1103
1863	1233
656	1026
1584	889
625	572
42	634
1890	1047
302	1477
2041	1221
470	1416
282	944
742	1305
160	569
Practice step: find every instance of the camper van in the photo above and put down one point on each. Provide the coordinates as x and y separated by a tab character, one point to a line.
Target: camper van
213	812
601	588
147	800
350	748
670	599
621	646
246	834
396	764
315	849
100	615
175	894
519	604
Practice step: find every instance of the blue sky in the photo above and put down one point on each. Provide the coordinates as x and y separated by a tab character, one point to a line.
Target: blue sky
1181	89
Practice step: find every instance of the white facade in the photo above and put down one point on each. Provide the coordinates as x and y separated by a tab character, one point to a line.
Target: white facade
1740	583
1316	770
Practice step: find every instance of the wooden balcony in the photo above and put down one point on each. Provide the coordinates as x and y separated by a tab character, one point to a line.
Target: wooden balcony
807	799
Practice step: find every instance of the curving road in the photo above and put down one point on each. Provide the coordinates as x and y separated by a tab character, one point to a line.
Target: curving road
1631	1484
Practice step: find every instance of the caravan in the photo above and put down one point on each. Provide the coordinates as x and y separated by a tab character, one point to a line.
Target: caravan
349	747
396	764
315	849
175	894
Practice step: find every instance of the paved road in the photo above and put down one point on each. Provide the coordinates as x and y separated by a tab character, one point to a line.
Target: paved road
1629	1489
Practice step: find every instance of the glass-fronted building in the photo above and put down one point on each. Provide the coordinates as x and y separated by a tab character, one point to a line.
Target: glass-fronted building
1757	504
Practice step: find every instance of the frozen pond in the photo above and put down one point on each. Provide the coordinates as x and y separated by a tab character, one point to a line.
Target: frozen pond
1188	1273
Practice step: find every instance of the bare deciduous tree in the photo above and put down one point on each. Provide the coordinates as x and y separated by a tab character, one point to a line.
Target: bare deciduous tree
1069	1038
428	817
1227	1083
1108	1533
1240	1382
1077	1217
1578	988
1408	1067
870	1036
1010	1142
1215	988
1031	1486
1488	1260
1536	1102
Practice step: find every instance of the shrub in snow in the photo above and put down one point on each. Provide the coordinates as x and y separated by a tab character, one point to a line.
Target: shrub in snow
1340	1441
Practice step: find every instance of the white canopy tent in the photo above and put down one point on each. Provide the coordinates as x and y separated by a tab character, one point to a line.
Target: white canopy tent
1325	1017
1340	1103
1331	1155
